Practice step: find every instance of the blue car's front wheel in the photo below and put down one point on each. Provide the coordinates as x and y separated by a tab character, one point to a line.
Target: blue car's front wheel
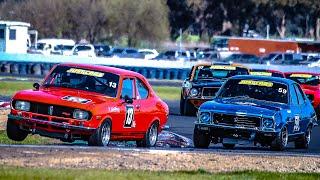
201	139
281	141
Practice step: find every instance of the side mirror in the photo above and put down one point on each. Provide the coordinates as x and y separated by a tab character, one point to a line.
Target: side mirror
128	100
36	86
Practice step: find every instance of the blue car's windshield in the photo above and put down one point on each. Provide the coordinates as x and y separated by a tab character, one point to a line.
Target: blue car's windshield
255	89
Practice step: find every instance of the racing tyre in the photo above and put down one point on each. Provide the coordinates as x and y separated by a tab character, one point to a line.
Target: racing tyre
102	135
14	132
228	146
304	141
150	138
189	109
281	141
200	139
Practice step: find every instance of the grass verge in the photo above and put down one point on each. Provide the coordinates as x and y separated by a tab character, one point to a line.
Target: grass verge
167	92
31	139
8	88
44	173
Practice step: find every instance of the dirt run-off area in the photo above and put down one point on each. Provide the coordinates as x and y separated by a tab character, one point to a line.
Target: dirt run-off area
153	160
3	118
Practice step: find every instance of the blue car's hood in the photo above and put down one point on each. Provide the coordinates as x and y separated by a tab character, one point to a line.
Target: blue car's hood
243	105
208	83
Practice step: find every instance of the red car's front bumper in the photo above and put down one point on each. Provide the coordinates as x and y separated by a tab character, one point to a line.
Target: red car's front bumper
51	126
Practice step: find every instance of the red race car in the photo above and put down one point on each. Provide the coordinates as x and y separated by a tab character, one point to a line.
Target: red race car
310	84
267	72
92	103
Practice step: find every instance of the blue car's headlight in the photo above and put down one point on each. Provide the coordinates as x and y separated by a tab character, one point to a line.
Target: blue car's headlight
204	117
268	123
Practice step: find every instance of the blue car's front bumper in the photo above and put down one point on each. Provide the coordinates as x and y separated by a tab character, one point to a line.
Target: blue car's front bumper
231	132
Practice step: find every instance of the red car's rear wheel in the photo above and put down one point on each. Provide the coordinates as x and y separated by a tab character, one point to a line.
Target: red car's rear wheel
150	138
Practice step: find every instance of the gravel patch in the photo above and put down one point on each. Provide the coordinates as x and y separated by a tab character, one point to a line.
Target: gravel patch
112	159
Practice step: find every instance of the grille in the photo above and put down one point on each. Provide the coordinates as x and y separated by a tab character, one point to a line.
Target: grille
49	109
237	121
310	97
209	92
53	110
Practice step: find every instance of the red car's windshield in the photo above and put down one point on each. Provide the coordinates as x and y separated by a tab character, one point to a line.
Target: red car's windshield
307	79
83	79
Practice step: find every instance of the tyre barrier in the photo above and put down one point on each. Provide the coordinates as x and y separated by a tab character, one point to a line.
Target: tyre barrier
41	69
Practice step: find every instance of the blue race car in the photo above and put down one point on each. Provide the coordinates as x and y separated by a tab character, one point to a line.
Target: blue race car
269	111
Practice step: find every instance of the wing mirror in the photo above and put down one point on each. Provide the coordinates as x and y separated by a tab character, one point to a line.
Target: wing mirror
36	86
128	100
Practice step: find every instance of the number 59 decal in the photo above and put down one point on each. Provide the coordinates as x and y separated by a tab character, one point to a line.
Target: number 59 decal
129	119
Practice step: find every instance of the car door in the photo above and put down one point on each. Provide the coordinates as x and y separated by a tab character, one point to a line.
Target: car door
305	111
128	108
146	106
295	111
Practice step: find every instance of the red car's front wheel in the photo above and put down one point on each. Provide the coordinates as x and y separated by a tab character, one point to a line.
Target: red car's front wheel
14	132
102	135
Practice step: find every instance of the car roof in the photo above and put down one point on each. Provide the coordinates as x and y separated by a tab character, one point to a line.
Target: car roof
220	63
114	70
316	74
268	70
264	78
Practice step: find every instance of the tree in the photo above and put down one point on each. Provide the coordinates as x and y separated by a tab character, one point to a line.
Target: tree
94	20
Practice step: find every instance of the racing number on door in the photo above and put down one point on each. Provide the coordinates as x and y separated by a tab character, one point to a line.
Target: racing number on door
296	126
129	119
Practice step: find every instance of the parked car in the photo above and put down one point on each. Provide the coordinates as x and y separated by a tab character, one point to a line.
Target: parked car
282	58
91	103
310	84
65	50
242	58
182	55
49	46
101	49
203	82
267	72
312	62
84	50
208	56
269	111
126	53
148	53
167	55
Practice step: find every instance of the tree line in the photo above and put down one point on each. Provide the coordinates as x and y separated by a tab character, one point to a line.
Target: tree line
286	18
133	22
93	20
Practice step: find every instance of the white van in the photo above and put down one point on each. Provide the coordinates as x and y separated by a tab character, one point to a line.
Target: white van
53	46
84	50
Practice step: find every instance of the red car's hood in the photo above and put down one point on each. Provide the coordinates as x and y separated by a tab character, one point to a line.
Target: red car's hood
64	97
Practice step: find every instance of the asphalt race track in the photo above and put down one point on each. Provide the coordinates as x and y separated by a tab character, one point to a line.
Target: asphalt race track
184	125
